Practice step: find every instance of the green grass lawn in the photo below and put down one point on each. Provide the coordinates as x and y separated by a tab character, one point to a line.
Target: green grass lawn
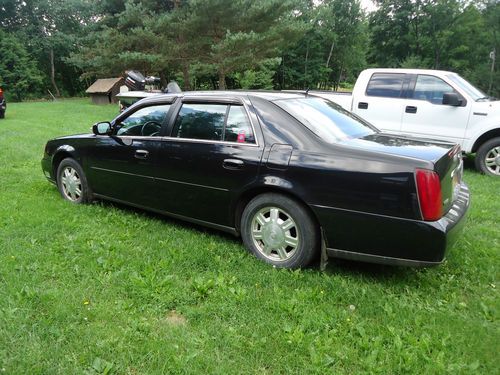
106	289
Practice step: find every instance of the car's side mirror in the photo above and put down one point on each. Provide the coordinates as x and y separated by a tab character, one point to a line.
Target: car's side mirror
102	128
451	98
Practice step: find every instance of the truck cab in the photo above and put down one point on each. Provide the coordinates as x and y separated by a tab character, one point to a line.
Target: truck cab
432	104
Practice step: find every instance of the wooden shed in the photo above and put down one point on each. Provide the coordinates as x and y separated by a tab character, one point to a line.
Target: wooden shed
104	91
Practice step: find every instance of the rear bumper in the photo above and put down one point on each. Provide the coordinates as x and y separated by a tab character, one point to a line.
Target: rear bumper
389	240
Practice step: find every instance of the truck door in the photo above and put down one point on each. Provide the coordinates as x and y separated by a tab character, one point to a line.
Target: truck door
425	115
382	103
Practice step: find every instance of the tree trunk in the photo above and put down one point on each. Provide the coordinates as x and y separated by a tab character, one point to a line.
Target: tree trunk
163	79
330	55
337	84
53	73
222	79
436	58
283	73
186	76
306	80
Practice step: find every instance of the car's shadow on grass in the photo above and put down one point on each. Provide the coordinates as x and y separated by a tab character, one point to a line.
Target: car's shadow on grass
354	269
168	220
371	272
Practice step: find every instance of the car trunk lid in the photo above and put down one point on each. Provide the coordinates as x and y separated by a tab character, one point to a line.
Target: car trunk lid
443	158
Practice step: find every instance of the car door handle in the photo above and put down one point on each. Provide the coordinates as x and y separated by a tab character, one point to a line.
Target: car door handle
363	105
233	164
141	154
411	109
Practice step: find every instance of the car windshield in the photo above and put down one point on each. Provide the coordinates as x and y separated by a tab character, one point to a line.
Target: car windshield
327	120
465	86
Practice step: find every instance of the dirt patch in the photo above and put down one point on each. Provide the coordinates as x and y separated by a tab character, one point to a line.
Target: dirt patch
176	319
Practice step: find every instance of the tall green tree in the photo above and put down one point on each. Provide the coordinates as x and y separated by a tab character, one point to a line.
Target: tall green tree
437	34
19	74
231	36
126	36
49	29
332	49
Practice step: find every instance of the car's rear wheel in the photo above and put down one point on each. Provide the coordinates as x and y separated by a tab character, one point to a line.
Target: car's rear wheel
280	231
488	157
72	182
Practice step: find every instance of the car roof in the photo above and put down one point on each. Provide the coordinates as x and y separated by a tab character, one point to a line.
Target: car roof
268	95
408	71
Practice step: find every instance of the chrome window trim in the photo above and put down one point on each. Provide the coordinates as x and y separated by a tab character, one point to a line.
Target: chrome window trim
170	139
141	137
194	140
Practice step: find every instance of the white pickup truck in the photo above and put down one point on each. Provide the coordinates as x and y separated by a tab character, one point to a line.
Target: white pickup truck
428	103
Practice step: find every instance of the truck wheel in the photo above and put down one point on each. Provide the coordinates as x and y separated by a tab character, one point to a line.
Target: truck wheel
280	231
488	157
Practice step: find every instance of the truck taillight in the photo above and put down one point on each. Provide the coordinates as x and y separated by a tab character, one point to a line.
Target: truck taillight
1	94
429	194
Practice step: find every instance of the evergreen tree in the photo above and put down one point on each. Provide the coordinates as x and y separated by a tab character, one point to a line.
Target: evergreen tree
19	75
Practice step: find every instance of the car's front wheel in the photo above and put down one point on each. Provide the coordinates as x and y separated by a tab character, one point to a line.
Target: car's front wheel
72	183
280	231
488	157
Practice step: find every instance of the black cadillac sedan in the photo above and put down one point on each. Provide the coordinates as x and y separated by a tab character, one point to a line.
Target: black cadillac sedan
292	174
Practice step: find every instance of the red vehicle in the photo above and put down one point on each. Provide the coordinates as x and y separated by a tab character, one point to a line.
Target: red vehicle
3	104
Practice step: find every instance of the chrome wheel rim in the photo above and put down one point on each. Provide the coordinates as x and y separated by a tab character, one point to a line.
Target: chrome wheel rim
492	161
71	184
275	234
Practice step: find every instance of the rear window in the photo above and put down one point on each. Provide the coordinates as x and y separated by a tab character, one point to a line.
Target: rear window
327	120
387	85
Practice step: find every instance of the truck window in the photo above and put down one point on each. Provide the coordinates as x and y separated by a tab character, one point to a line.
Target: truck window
387	85
431	89
474	92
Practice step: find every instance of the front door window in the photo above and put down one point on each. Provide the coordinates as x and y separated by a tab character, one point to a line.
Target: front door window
145	122
431	89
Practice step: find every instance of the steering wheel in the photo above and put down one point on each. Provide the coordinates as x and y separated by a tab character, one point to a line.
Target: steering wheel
150	128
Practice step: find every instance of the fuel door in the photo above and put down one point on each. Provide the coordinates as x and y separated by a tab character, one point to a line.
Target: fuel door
279	156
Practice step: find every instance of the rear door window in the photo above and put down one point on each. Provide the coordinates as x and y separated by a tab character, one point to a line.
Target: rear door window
213	122
200	121
238	128
387	85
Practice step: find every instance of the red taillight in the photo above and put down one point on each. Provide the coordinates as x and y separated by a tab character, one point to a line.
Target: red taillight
1	94
429	194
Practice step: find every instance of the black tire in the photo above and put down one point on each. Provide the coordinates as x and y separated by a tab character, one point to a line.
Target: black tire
72	182
2	114
277	233
489	150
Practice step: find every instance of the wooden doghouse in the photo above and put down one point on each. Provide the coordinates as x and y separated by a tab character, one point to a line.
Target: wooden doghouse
104	91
